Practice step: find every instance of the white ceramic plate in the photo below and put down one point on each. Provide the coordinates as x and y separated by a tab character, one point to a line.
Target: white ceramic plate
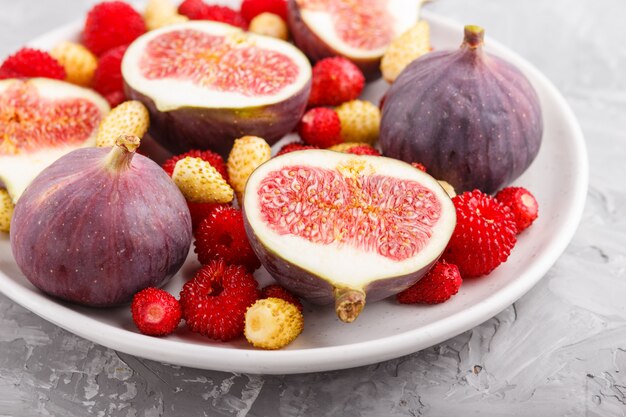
385	330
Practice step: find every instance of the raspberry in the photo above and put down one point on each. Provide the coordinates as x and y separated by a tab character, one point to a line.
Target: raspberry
295	146
363	149
200	182
29	62
252	8
484	235
320	127
211	157
155	312
199	10
521	203
107	79
335	81
111	24
200	211
215	301
277	291
272	323
221	235
438	285
419	166
360	121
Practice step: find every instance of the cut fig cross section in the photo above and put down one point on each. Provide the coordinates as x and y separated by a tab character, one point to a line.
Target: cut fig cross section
358	30
207	84
335	227
40	121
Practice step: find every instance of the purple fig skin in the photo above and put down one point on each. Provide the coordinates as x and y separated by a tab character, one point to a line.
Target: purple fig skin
216	129
473	119
93	235
316	49
316	290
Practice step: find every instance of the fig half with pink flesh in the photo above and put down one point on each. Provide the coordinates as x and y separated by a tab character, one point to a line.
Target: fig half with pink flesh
360	31
340	228
207	84
40	121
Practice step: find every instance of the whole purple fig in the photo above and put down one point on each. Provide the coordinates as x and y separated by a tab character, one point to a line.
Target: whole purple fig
473	119
100	224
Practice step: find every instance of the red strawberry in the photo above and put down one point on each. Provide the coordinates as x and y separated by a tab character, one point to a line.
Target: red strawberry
320	127
199	10
484	235
438	285
107	80
335	81
295	146
215	301
29	62
252	8
419	166
111	24
155	312
277	291
363	150
522	204
221	235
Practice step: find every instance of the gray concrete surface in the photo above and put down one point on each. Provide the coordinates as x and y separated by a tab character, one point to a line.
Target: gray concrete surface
559	351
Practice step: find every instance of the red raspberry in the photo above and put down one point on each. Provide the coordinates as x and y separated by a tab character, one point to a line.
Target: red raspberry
484	235
155	312
419	166
29	62
335	81
111	24
221	235
522	204
212	158
438	285
320	127
295	146
277	291
199	10
363	150
215	301
107	80
252	8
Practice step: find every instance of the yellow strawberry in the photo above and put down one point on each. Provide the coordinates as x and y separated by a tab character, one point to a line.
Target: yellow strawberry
247	154
272	323
200	182
129	118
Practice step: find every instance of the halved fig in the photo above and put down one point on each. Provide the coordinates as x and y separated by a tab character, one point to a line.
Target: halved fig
335	227
40	121
207	83
358	30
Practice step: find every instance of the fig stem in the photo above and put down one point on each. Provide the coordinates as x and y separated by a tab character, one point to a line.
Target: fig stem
474	36
121	154
349	303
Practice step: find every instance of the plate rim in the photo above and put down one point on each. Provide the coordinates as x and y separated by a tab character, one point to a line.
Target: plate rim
329	357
